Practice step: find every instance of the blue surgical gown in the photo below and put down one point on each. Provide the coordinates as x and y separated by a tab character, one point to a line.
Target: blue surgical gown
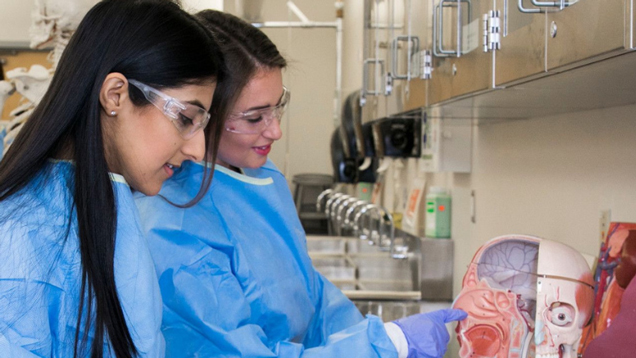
40	270
236	278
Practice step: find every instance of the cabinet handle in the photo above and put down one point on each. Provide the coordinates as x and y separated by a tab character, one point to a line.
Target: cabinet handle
561	4
410	51
438	27
365	79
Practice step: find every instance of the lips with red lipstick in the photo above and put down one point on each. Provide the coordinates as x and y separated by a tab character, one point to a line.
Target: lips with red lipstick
264	150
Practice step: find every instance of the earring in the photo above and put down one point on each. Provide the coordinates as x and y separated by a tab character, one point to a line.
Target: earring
113	113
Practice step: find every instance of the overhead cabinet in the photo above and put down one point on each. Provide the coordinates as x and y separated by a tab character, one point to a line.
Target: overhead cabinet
396	33
461	63
585	30
521	50
497	58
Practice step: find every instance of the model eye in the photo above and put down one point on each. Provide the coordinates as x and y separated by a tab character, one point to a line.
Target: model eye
561	314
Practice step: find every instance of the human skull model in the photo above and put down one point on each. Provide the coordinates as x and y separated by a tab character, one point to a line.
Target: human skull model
521	301
565	298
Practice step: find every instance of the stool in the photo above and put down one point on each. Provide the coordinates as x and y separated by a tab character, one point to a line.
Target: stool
308	187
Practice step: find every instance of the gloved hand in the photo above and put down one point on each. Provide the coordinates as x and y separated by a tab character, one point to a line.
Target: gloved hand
426	333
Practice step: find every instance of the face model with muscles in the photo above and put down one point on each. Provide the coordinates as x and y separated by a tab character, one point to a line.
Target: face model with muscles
519	304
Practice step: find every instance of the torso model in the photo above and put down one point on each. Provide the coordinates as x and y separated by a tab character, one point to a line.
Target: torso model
613	335
40	270
236	277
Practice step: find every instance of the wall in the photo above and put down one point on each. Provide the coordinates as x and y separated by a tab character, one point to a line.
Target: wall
311	77
15	16
15	19
197	5
548	177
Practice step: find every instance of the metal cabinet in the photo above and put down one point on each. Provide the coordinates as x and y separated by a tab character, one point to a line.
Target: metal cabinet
522	43
459	66
396	33
472	71
536	40
384	20
418	89
585	30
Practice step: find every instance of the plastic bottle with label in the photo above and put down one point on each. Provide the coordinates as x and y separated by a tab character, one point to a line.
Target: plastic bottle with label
438	213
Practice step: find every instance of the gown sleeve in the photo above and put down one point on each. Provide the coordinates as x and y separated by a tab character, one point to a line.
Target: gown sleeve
206	312
30	299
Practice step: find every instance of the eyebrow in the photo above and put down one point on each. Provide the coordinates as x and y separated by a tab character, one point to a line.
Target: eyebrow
196	103
265	106
257	108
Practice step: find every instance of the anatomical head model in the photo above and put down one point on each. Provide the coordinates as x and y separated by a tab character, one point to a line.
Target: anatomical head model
525	297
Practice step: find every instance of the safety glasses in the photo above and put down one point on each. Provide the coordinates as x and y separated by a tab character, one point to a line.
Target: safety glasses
255	121
188	118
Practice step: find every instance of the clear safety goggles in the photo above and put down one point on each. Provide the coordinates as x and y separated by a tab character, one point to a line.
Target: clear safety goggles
188	118
255	121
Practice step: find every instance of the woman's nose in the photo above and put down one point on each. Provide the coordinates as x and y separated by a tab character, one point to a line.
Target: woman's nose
273	131
194	148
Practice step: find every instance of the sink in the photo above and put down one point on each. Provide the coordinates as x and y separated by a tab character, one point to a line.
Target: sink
364	271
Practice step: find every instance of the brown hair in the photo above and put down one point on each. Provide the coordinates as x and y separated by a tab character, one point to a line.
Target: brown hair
246	49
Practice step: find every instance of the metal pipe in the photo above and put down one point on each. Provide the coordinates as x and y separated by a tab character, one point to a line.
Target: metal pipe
294	24
296	11
306	24
339	61
459	28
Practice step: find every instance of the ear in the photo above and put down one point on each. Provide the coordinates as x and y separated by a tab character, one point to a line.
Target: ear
114	93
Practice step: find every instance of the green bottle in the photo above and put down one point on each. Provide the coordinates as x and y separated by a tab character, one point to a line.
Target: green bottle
438	213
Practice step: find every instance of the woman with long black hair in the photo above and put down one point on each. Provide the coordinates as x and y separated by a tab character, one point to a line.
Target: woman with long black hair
126	106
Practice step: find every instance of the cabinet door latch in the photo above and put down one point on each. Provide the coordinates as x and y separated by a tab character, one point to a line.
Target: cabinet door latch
492	31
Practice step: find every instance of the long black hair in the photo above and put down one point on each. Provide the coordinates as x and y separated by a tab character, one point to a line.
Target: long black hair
152	41
246	50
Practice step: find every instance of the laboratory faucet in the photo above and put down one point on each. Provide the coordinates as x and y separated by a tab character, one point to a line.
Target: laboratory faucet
320	197
379	237
357	227
331	199
334	205
348	223
387	216
340	209
331	212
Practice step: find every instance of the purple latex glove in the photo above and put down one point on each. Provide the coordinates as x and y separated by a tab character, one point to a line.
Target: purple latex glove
426	332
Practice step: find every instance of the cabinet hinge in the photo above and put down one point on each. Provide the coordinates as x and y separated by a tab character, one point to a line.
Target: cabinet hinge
388	84
492	31
426	64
